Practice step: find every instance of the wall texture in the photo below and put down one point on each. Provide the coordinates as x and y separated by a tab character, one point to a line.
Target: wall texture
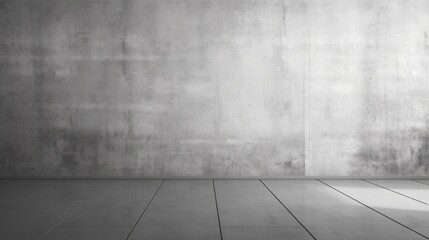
214	87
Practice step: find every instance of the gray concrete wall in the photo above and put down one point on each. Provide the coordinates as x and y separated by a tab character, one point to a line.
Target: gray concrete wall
369	91
214	88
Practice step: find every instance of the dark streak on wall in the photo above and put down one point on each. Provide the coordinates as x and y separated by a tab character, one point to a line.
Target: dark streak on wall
149	88
213	88
395	153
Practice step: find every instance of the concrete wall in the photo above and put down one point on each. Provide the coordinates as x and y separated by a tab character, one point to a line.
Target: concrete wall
369	91
214	87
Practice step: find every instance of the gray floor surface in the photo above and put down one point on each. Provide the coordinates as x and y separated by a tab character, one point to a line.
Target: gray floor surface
214	209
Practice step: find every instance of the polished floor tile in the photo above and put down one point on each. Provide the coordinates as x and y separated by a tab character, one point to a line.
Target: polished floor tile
87	234
214	210
423	181
406	211
28	209
119	207
423	230
247	203
264	233
182	209
364	232
408	188
330	215
116	206
248	210
176	233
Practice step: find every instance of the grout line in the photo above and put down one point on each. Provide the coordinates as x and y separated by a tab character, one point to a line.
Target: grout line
395	192
287	209
61	221
217	210
374	209
419	181
147	206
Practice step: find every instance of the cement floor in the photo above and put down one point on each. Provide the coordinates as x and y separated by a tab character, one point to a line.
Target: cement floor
219	209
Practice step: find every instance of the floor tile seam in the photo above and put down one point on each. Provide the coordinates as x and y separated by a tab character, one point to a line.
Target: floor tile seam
374	210
60	222
391	190
145	209
287	209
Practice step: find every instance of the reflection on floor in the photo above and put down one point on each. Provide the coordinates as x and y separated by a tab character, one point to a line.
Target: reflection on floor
214	209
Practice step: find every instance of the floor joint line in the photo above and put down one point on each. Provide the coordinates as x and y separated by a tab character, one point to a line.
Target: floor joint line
419	182
217	210
58	223
287	209
395	191
147	206
373	209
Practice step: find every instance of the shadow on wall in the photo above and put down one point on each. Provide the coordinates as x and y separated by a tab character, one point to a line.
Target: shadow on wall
393	153
74	152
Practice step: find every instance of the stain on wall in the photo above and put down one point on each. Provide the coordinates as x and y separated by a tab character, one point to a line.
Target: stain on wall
214	88
369	88
150	88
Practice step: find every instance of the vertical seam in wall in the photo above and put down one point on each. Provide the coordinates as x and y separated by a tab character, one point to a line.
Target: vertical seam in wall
309	87
307	106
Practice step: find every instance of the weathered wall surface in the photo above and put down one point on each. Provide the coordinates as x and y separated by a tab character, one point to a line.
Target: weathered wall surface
214	88
149	88
369	87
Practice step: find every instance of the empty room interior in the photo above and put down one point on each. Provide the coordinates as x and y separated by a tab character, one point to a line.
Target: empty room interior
214	119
